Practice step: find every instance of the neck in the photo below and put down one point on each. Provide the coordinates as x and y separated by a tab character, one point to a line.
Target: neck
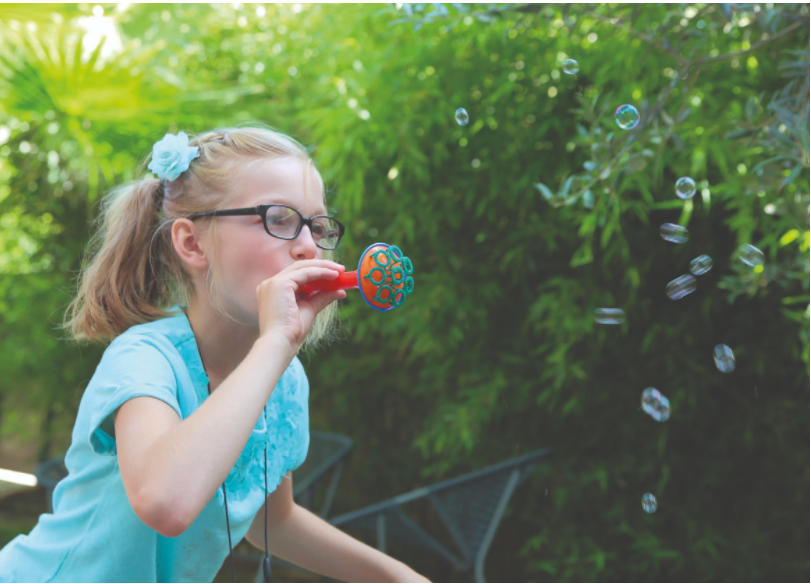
223	343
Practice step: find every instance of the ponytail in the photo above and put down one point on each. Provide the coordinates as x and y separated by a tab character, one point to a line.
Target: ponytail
125	282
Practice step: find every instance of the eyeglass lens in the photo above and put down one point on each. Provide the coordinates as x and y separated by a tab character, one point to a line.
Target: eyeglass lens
284	222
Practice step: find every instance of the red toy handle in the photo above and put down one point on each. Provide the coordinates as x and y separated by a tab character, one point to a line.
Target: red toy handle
345	281
383	278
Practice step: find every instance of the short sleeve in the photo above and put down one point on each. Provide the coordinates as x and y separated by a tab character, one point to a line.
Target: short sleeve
304	448
132	366
302	395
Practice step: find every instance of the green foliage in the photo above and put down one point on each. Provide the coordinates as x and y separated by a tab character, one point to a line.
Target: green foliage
519	226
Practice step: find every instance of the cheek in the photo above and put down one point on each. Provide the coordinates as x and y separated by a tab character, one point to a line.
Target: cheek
265	255
248	252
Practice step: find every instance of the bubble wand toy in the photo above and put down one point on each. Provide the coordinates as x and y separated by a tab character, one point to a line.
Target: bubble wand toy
383	278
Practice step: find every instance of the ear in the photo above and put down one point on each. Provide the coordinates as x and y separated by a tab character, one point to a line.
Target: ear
189	244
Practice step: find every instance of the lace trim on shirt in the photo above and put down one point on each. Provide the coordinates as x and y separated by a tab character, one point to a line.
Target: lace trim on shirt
284	440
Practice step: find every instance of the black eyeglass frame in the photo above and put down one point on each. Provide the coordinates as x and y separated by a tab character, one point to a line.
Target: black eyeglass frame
262	211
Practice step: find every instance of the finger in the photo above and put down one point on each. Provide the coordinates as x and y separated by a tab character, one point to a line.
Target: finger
314	264
320	300
305	275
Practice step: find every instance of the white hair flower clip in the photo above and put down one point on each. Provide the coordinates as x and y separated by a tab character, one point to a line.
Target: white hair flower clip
172	155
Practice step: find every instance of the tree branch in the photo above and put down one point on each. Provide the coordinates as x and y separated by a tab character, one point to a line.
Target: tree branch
751	49
615	22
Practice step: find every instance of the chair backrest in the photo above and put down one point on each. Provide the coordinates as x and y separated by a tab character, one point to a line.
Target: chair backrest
326	450
469	507
48	474
325	454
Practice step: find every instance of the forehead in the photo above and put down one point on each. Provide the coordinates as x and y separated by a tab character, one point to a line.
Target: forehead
288	180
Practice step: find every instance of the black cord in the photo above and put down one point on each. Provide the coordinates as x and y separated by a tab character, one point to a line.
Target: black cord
266	561
227	523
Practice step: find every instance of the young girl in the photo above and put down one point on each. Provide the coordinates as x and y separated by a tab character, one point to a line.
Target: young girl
197	414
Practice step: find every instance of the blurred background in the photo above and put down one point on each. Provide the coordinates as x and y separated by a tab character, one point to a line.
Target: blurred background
520	224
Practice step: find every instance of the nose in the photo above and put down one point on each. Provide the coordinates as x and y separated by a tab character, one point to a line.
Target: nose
304	247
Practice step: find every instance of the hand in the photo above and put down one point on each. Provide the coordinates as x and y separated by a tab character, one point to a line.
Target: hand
282	311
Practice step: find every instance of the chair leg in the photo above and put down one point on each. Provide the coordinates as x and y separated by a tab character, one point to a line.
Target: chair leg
381	532
260	574
333	485
306	498
478	570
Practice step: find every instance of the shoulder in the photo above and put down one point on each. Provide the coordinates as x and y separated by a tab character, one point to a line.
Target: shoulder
152	353
171	331
139	353
135	361
164	338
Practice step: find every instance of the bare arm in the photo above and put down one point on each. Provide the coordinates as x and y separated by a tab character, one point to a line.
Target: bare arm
280	504
300	537
170	468
306	540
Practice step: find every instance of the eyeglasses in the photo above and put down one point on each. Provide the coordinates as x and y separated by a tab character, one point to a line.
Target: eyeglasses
285	223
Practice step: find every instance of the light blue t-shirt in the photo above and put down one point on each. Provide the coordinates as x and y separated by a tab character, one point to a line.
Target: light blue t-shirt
93	535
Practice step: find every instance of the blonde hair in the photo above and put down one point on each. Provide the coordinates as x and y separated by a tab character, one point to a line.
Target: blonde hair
132	273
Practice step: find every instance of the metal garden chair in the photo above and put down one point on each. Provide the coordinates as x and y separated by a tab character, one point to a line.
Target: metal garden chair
470	508
326	454
48	474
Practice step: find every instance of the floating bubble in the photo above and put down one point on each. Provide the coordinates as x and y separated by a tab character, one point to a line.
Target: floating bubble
701	265
724	359
655	405
570	66
649	503
461	117
674	233
750	255
681	287
627	117
685	188
609	316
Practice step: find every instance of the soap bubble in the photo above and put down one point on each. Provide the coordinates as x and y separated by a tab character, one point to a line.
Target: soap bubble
609	316
649	503
461	117
750	255
685	187
655	405
627	117
570	66
701	265
681	287
724	359
674	233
